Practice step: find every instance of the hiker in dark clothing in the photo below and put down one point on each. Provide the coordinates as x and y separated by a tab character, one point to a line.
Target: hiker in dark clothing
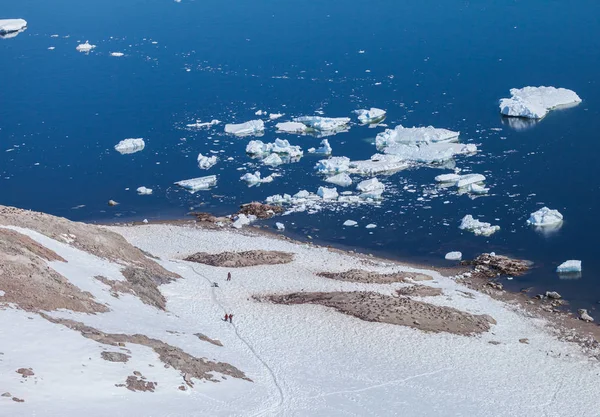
230	317
226	317
229	276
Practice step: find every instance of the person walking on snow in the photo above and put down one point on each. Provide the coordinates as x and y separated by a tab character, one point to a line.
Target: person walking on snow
230	318
229	276
226	316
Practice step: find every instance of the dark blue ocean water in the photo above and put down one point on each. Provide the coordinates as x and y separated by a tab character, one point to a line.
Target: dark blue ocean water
426	62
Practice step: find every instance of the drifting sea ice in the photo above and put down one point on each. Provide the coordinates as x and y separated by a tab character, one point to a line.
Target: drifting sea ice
273	160
415	135
536	102
282	147
12	25
378	164
252	127
253	179
127	146
343	180
325	149
85	47
334	165
206	162
477	227
371	116
117	54
350	223
545	217
327	193
429	153
280	226
324	124
144	191
371	189
200	125
275	116
291	127
197	184
567	267
468	179
243	220
453	256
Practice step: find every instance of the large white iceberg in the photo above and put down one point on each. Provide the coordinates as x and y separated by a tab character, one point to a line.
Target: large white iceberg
282	147
197	184
429	153
415	135
373	115
545	217
291	127
325	148
333	165
12	25
378	164
206	162
536	102
477	227
343	180
246	129
127	146
327	193
85	47
568	267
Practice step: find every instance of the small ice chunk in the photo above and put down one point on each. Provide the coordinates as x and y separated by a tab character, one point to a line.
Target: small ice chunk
369	185
371	226
243	220
12	25
253	179
468	179
415	135
378	164
275	116
197	184
291	127
206	162
200	125
448	178
127	146
545	217
324	124
245	129
350	223
371	116
117	54
260	112
273	160
325	149
453	256
327	193
477	227
343	180
85	47
536	102
280	226
569	267
144	191
333	165
477	189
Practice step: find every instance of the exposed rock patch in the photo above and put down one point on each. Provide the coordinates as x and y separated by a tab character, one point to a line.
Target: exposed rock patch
115	356
370	277
208	339
376	307
419	291
260	210
494	265
25	372
135	383
242	259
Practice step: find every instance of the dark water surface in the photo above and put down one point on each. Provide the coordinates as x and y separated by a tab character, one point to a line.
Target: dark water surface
427	63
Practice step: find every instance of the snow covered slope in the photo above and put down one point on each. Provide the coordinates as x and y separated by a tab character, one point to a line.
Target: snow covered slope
272	360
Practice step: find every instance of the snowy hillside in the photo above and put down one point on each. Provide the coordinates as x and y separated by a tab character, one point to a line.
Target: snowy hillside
91	325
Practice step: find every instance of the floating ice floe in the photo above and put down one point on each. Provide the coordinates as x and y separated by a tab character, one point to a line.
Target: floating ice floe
378	164
350	223
324	124
371	189
536	102
8	26
477	227
197	184
327	193
325	149
429	153
275	116
252	127
144	191
117	54
545	217
282	147
243	220
260	113
453	256
334	165
254	179
415	135
569	267
291	127
273	160
280	226
468	183
127	146
201	125
371	226
85	47
206	162
371	116
343	180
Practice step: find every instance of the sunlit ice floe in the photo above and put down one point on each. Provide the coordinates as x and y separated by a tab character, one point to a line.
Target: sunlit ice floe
206	162
371	189
477	227
117	54
127	146
343	180
280	146
12	25
320	126
255	178
453	256
371	116
378	164
85	47
325	148
536	102
429	153
350	223
201	125
546	218
253	127
567	267
467	183
334	165
275	116
144	191
197	184
242	220
415	135
291	127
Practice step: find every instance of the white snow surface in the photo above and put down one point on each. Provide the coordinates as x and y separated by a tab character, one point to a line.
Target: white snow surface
206	162
197	184
545	217
127	146
477	227
537	102
311	361
569	267
373	115
245	129
12	25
